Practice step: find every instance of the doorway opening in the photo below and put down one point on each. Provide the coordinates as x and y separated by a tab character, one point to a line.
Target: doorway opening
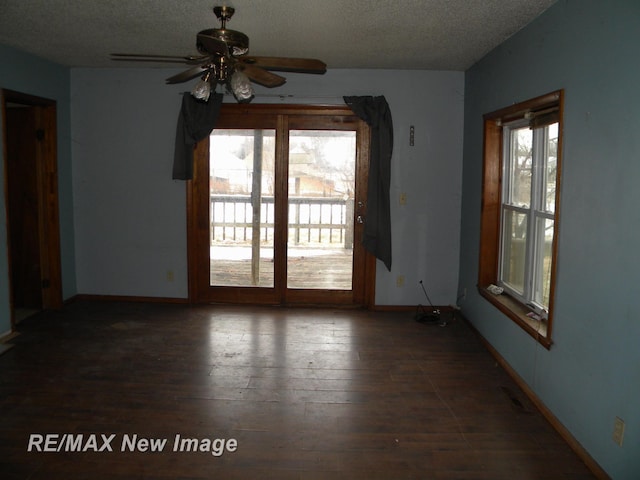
31	202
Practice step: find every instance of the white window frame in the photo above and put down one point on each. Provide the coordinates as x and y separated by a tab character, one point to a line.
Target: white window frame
535	212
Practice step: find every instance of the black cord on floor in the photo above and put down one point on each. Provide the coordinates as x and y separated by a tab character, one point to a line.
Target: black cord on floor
424	316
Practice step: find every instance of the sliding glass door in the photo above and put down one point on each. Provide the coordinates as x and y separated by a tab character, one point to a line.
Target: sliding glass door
280	191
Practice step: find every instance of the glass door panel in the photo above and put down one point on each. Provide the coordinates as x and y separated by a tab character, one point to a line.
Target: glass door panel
321	191
241	207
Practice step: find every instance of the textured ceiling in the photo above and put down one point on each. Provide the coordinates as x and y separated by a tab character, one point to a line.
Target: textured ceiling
396	34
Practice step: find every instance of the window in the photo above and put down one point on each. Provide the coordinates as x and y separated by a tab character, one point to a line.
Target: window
519	211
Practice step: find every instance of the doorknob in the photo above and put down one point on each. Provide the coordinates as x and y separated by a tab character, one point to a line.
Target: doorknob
360	219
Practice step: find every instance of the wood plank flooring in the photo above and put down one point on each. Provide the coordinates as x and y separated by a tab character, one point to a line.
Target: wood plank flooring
305	393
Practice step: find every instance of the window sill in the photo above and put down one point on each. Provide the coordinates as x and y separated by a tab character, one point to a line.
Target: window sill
518	312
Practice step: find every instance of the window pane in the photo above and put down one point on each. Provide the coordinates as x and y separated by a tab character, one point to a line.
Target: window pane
542	286
321	197
520	160
241	211
550	167
514	250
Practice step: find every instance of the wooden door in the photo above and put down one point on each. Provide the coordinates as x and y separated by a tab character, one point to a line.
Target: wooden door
23	207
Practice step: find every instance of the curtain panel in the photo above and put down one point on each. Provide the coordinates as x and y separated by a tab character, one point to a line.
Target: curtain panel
195	121
377	226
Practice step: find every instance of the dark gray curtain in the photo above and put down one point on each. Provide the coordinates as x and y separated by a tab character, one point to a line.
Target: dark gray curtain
377	226
195	121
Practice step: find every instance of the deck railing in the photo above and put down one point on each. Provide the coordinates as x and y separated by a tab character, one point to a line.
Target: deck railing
313	221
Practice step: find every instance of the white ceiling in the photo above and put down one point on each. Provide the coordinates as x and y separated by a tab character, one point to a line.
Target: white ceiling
395	34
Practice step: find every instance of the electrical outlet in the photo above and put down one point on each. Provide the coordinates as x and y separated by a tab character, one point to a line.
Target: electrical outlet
618	430
400	281
170	276
403	198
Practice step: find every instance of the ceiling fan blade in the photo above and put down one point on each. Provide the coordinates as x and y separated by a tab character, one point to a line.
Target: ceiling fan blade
143	57
189	74
284	64
261	76
212	45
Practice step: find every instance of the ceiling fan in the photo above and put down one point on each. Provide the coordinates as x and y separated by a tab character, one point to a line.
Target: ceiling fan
224	59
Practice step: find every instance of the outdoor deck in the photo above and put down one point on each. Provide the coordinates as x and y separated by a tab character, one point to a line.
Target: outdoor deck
328	269
320	253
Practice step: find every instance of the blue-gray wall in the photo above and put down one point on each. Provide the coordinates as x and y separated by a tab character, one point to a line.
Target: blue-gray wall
28	74
124	219
592	372
130	216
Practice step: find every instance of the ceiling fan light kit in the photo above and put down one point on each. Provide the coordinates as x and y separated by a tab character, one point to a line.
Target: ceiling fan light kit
241	87
224	60
202	89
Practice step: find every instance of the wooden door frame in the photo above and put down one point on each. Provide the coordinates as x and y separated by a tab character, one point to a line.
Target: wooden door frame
48	202
198	214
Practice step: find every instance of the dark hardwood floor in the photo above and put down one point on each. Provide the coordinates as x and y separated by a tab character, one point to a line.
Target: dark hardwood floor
305	393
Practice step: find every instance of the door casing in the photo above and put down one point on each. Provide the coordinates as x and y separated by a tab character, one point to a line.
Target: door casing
40	126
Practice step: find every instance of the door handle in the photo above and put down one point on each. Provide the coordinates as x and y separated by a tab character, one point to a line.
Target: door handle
360	219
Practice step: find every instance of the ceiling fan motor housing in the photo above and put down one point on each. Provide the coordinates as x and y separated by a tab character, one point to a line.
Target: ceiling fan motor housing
237	42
